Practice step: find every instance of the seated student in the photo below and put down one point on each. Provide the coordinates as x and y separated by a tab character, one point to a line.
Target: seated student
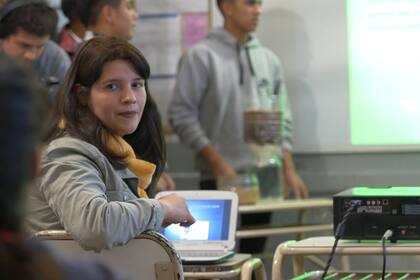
82	188
73	34
116	18
25	31
19	159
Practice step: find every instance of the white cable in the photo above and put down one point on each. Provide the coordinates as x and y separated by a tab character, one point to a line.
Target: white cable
388	233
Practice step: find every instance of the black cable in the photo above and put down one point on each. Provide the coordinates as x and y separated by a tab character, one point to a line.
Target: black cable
330	257
339	233
383	258
388	233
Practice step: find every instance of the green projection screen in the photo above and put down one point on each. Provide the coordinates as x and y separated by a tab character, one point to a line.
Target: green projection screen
384	61
352	71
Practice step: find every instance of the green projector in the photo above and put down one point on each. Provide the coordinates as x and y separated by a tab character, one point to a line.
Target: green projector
376	209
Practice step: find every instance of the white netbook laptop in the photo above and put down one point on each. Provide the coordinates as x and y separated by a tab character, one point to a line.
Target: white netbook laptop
212	237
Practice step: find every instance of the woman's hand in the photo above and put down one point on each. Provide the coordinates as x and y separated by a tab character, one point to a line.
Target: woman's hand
175	211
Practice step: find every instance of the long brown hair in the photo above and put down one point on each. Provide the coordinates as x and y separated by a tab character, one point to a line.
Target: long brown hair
80	122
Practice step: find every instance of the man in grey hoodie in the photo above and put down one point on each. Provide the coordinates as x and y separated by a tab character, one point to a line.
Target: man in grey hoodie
216	80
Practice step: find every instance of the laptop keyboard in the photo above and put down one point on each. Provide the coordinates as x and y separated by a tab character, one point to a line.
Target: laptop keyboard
210	254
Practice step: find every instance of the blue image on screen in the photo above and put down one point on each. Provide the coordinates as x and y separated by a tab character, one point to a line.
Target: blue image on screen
212	221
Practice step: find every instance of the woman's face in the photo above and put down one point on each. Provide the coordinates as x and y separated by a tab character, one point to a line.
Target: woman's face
118	97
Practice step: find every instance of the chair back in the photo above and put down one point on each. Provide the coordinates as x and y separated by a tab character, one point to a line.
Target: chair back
148	256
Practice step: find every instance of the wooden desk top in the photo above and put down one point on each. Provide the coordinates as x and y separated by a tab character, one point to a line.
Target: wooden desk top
270	205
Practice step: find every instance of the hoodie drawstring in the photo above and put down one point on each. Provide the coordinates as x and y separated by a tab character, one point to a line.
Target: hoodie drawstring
241	67
248	56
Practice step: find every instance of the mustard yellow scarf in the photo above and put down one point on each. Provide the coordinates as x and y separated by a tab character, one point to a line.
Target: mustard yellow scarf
144	170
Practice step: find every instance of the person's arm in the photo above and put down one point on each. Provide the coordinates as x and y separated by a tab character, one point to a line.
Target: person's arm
60	62
52	67
286	129
219	166
53	62
184	110
189	92
74	189
293	182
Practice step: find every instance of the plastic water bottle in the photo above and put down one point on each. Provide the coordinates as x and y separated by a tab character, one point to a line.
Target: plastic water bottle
269	178
262	133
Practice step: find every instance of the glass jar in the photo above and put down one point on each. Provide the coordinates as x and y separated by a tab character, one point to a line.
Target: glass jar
245	185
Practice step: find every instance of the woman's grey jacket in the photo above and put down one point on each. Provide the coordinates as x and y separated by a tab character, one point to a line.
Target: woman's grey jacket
80	191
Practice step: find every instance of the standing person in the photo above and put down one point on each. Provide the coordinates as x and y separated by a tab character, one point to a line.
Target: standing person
26	27
83	190
20	120
88	18
216	78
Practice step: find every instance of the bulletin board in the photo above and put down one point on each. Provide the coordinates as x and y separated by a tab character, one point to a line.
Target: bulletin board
166	28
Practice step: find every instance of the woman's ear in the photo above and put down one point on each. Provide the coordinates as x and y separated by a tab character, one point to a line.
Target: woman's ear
82	94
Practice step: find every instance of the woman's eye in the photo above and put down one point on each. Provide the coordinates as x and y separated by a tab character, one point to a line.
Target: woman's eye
138	84
111	86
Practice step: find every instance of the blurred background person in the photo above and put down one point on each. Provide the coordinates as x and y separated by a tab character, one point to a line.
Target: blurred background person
73	33
217	80
116	18
21	116
25	31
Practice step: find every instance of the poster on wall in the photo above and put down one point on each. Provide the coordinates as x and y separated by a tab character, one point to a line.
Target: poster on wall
172	6
159	37
165	29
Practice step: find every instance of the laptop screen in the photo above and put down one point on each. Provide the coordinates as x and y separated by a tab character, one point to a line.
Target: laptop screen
212	221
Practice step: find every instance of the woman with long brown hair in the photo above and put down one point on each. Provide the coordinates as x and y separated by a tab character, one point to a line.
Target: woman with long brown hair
93	182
